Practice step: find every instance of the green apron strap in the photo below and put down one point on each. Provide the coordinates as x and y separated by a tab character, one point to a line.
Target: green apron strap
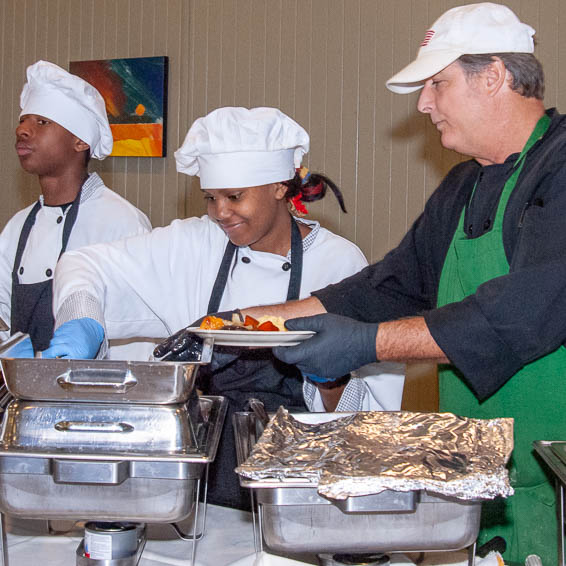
537	133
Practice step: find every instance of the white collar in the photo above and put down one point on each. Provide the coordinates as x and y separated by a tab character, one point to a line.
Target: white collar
92	183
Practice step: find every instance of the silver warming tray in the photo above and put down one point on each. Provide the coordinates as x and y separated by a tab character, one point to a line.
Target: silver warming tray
115	381
106	462
293	517
554	455
99	380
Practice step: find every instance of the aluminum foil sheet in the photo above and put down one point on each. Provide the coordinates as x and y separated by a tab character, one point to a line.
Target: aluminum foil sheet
368	452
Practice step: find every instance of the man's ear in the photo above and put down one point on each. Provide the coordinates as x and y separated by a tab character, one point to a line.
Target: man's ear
80	145
495	76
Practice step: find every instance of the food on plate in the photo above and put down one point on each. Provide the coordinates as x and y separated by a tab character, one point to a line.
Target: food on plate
277	321
265	323
213	323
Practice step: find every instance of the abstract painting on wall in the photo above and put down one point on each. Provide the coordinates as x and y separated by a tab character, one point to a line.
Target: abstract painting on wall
135	92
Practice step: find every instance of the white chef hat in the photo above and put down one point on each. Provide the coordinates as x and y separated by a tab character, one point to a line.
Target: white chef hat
465	30
70	101
240	147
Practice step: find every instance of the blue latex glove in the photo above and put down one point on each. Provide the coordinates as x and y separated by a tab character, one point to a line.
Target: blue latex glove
340	345
76	339
22	350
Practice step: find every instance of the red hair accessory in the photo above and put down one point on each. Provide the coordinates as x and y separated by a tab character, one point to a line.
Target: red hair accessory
298	206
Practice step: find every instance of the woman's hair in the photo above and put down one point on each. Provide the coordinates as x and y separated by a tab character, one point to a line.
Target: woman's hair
312	187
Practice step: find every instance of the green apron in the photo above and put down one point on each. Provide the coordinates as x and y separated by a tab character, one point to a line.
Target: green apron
526	520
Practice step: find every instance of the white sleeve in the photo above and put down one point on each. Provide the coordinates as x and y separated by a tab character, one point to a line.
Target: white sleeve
375	387
144	286
8	243
5	292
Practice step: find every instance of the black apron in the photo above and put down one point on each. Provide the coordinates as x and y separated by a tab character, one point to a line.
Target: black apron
32	310
255	373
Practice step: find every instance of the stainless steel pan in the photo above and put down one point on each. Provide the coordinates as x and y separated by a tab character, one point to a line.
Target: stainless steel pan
111	381
293	517
80	474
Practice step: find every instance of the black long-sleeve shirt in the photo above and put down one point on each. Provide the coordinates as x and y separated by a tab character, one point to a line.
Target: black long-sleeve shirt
510	320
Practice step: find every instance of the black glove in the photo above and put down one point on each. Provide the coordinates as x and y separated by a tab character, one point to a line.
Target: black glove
180	347
184	345
340	345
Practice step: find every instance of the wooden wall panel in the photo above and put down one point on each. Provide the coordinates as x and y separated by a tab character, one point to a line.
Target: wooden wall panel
324	62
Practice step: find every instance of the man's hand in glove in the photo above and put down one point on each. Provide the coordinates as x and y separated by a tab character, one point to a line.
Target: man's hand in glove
76	339
184	345
340	345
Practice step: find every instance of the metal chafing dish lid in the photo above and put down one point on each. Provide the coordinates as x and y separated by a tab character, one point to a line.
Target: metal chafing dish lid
95	431
114	381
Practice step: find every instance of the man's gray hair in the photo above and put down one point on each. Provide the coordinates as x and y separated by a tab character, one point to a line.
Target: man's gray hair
525	68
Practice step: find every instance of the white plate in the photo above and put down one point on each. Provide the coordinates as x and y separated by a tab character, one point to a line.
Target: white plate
252	338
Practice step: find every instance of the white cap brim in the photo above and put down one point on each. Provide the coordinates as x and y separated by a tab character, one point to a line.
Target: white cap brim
239	169
413	76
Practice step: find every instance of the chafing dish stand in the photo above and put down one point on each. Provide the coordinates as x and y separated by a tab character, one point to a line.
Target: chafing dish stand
105	440
290	516
554	454
40	478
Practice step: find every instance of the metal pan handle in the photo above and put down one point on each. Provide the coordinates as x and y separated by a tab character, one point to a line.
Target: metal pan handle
81	426
114	380
90	472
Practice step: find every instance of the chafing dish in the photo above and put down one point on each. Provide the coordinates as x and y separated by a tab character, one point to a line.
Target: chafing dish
113	462
554	455
112	381
293	517
92	430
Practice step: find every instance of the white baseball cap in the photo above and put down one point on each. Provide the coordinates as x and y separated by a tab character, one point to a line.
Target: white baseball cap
236	147
70	101
464	30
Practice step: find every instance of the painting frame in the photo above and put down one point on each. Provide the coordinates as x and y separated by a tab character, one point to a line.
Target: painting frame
135	92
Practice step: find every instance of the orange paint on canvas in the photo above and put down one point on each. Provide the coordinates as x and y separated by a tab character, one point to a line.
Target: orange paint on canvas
137	139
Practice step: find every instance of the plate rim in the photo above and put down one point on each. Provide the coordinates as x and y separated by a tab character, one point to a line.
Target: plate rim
293	337
196	329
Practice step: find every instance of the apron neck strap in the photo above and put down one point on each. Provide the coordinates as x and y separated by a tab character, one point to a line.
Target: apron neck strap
296	262
540	129
24	235
70	220
294	289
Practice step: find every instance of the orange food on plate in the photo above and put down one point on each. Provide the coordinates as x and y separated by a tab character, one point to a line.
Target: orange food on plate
252	322
212	323
267	326
264	324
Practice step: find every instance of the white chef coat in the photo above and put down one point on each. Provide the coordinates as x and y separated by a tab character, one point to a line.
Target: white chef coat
373	387
160	282
103	216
